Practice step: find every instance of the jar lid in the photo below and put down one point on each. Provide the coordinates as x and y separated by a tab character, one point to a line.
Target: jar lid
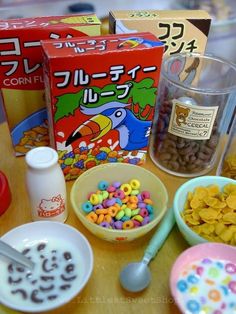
5	193
41	157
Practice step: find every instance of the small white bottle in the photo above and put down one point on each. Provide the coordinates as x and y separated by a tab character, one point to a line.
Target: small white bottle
45	184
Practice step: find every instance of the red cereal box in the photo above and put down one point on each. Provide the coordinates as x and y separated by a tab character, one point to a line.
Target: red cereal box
101	93
21	74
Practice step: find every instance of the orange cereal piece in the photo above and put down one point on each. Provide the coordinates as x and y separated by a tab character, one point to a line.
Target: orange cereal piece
129	224
108	218
133	199
102	211
100	219
132	205
125	199
214	295
92	216
112	211
148	201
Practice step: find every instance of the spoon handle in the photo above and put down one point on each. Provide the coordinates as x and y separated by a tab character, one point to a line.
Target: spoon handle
9	252
161	234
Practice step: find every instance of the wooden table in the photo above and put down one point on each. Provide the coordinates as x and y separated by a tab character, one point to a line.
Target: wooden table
103	293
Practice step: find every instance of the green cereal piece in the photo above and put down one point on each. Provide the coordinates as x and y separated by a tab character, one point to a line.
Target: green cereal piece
120	214
68	161
135	192
135	212
128	212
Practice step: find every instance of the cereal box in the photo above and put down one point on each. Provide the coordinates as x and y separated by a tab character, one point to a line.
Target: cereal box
101	94
180	30
21	74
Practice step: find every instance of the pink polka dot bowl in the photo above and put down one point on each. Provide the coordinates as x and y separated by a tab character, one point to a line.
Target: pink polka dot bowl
203	279
114	172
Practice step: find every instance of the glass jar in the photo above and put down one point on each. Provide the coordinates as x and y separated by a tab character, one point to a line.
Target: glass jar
196	99
227	164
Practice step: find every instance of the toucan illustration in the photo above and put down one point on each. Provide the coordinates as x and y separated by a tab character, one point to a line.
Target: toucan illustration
133	133
132	42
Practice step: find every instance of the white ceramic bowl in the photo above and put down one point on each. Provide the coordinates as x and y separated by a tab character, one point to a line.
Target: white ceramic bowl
56	236
88	181
180	198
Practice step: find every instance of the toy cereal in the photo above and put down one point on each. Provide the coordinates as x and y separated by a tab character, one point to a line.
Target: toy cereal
211	213
180	30
21	74
101	95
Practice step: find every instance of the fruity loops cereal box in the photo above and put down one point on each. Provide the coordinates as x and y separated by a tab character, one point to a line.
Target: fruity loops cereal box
101	94
21	74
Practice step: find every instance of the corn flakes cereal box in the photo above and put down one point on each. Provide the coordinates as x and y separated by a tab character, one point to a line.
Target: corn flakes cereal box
101	93
21	73
180	30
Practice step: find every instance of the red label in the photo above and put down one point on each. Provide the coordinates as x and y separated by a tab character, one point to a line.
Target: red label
51	207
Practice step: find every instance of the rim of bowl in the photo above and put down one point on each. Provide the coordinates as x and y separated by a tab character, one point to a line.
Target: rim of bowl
60	303
202	247
209	180
149	226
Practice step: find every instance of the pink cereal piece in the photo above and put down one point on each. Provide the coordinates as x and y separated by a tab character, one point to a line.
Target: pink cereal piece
104	203
145	194
119	194
143	212
111	189
136	223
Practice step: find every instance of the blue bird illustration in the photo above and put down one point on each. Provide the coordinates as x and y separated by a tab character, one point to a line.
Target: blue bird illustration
132	42
133	133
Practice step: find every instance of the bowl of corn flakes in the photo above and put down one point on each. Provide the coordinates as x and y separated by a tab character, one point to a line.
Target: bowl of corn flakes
205	210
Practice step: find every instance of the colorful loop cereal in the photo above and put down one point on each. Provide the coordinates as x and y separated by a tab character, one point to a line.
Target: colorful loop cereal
119	194
117	208
112	211
120	214
135	184
103	185
100	219
87	207
128	224
126	188
92	217
94	199
135	192
145	195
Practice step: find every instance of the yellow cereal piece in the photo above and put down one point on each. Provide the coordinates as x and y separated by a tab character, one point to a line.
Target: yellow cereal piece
226	235
195	202
208	214
231	201
190	196
219	228
210	201
207	229
213	190
191	221
230	218
228	188
200	192
196	216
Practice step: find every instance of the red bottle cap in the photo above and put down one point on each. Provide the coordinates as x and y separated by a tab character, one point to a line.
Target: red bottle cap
5	193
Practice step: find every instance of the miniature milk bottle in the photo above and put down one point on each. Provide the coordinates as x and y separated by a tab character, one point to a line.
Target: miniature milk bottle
46	185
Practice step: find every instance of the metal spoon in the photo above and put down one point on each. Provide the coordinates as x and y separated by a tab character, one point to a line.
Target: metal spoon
14	255
136	276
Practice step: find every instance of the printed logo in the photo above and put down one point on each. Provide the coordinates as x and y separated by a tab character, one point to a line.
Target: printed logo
51	207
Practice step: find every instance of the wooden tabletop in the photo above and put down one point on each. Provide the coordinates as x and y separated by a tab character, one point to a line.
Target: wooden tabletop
103	293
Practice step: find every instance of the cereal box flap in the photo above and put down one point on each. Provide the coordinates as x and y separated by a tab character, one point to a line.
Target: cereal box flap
52	21
158	14
100	44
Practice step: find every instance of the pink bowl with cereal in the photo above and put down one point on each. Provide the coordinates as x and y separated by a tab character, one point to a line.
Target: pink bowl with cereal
203	279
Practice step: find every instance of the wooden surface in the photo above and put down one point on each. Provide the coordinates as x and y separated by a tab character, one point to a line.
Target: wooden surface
103	293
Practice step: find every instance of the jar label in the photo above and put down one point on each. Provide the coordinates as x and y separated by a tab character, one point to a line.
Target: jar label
190	121
51	207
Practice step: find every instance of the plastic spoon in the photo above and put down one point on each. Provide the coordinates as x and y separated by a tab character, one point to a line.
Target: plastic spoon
9	252
136	276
